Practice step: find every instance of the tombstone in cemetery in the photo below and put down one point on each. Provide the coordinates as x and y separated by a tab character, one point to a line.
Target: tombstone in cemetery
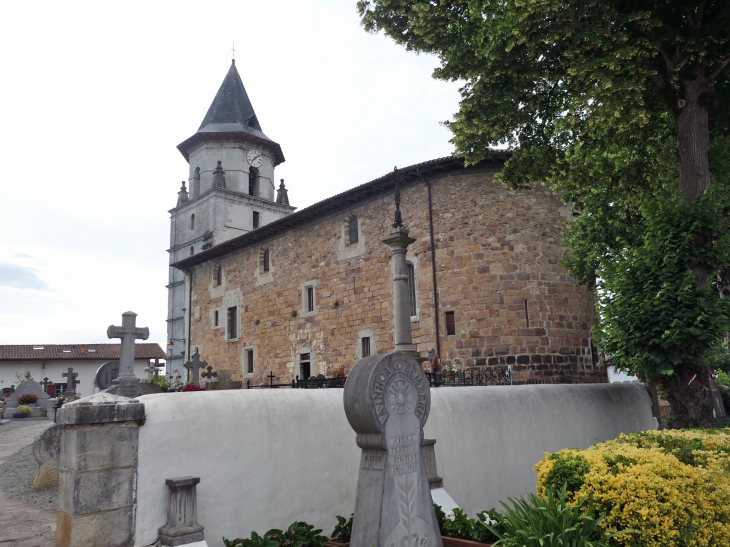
28	387
106	374
193	366
387	401
224	382
46	451
71	382
127	384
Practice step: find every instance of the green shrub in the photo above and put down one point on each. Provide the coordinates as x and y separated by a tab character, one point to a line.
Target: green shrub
568	469
549	522
22	409
160	381
343	530
462	527
299	534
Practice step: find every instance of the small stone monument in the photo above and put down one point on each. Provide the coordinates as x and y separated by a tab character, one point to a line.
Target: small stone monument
182	526
224	382
194	366
28	387
127	384
71	382
387	401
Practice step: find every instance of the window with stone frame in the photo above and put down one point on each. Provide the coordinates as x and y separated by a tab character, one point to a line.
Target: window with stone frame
233	323
365	341
192	221
266	260
450	323
255	220
215	318
249	361
352	230
253	175
219	275
305	366
412	288
310	299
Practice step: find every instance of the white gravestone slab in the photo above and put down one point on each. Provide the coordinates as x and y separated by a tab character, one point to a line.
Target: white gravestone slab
387	401
28	387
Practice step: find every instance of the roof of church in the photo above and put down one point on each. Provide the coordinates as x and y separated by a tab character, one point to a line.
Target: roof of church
337	202
36	352
231	116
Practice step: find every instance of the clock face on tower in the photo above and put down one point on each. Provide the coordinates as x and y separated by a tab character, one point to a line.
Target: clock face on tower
254	158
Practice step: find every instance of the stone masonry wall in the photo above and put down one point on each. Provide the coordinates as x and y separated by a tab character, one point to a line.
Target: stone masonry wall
495	249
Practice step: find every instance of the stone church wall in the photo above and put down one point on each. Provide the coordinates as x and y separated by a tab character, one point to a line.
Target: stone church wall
495	250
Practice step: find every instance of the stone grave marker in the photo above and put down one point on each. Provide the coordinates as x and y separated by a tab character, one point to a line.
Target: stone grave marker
387	401
28	387
127	384
71	383
194	365
106	374
224	382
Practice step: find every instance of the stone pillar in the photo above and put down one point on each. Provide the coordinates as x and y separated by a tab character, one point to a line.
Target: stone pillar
399	240
428	454
98	471
182	513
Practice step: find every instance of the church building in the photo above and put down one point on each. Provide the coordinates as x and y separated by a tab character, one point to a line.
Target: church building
258	287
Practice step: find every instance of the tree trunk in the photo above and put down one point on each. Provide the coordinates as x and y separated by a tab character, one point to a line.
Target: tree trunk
690	395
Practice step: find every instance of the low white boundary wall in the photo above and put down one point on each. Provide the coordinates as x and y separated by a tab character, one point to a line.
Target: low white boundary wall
266	458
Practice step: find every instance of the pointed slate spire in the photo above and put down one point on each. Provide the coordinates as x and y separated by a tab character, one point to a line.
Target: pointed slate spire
231	103
182	195
282	197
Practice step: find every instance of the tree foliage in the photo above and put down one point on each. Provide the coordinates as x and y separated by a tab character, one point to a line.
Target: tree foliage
623	107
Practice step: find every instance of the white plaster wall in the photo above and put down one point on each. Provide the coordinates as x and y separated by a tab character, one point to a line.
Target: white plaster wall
54	369
269	457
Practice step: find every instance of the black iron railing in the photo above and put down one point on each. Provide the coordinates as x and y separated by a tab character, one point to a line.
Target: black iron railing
471	377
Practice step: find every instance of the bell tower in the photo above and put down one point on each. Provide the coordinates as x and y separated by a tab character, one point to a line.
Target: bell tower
230	192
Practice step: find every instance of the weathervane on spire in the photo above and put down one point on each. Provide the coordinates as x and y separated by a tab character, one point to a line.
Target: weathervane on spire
233	51
398	221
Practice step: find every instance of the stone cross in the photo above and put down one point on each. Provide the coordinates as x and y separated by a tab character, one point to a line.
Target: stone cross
71	382
128	333
387	401
210	373
150	370
194	366
45	383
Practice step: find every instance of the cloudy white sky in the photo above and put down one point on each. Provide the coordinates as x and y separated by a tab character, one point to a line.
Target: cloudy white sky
95	96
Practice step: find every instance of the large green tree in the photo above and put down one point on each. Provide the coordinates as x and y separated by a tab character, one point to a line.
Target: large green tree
622	106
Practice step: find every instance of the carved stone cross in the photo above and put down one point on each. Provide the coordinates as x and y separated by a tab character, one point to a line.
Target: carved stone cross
71	382
210	373
150	370
194	366
128	333
45	383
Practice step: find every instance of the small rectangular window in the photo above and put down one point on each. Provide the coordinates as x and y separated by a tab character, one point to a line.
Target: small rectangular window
232	323
255	220
352	228
310	299
249	361
266	260
215	318
365	346
412	288
219	275
304	366
450	325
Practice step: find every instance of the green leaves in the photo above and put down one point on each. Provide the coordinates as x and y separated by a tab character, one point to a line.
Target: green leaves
299	534
343	529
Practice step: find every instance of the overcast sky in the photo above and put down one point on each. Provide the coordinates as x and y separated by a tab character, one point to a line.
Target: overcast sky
96	96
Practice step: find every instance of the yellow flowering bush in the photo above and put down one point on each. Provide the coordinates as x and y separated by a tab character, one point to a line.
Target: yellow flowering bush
671	488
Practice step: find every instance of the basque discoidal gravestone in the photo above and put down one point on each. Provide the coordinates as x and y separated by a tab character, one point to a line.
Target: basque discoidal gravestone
387	401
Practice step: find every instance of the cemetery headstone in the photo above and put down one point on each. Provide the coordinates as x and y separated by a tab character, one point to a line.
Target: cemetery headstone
46	451
387	401
127	384
71	382
45	383
224	382
194	365
28	387
106	374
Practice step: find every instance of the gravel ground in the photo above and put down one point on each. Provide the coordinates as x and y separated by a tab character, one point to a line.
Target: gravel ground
18	471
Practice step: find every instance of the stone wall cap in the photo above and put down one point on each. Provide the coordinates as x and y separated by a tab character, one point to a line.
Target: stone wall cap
100	408
182	481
